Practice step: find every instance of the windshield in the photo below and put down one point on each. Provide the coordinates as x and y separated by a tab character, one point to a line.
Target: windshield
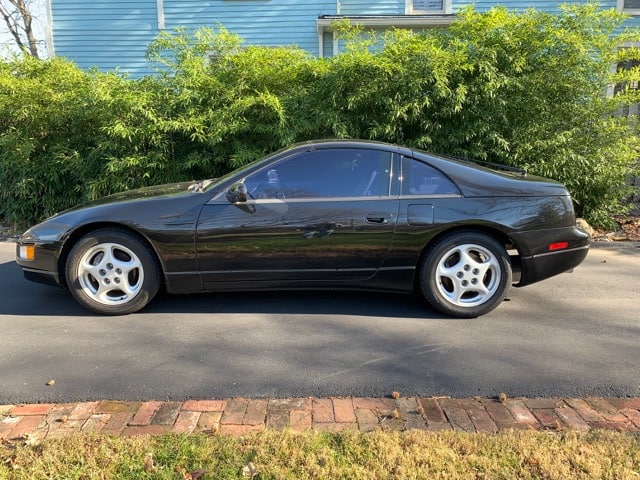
239	171
217	181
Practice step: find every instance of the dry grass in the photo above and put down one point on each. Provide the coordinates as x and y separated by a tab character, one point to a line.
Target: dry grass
288	455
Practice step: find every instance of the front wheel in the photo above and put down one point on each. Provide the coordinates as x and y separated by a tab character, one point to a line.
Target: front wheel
112	272
465	274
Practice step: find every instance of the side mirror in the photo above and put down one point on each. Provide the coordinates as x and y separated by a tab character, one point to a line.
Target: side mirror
237	193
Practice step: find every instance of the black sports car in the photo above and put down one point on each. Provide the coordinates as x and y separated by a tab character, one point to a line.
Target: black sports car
318	215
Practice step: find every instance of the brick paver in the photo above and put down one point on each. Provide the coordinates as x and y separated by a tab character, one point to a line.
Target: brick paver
116	423
571	418
145	414
323	410
457	415
186	422
234	413
548	418
167	413
500	414
96	422
586	412
608	411
83	410
521	413
209	422
343	410
204	405
300	420
256	412
37	409
240	416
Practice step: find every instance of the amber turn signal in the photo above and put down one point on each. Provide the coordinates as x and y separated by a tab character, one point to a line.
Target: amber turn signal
27	252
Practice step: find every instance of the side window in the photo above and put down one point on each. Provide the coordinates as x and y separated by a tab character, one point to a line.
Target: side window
418	178
329	173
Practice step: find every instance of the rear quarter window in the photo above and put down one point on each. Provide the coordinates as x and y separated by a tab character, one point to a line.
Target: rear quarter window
419	178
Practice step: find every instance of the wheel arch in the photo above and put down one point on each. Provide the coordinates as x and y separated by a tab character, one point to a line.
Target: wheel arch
83	230
490	230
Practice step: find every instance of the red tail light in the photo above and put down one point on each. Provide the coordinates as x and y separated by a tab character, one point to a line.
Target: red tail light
558	246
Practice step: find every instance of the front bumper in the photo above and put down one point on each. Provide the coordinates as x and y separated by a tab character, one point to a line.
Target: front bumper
40	276
44	267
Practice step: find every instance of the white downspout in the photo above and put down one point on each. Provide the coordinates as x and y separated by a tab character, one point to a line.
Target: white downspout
48	31
160	10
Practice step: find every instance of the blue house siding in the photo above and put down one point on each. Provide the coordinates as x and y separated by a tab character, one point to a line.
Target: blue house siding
362	7
270	23
104	33
115	34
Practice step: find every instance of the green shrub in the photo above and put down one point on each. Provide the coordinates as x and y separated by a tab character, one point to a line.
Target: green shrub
45	130
526	89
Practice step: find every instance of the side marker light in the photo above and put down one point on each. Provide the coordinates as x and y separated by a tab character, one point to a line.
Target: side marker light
558	246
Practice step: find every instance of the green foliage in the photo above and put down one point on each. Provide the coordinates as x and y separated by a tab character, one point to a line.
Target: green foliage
525	89
44	119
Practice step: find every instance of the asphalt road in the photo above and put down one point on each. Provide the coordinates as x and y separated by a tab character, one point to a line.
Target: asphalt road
575	334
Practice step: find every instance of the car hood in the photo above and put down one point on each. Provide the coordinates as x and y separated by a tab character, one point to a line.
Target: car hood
145	193
118	206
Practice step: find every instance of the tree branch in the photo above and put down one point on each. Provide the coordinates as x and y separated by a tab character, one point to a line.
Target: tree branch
30	47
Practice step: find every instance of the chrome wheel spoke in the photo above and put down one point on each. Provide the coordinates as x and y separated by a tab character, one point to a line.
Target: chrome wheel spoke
110	273
468	275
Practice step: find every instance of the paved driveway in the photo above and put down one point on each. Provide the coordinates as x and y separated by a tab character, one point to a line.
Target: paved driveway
576	334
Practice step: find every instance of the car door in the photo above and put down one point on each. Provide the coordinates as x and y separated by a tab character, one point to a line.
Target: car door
318	216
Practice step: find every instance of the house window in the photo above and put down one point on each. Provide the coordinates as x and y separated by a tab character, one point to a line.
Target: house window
629	6
427	6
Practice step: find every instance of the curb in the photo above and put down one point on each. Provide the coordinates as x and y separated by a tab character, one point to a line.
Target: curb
239	416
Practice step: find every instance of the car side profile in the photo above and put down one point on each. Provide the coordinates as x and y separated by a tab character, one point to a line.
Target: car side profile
333	214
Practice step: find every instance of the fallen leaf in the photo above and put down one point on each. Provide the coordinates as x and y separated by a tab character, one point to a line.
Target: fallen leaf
195	475
149	467
249	470
51	383
12	462
32	440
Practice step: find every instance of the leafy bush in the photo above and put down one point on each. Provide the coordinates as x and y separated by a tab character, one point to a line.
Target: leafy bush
45	125
525	89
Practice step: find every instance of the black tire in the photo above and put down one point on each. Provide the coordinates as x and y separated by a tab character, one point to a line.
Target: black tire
465	274
112	272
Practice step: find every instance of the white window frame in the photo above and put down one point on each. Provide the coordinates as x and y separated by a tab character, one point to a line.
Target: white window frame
628	11
446	8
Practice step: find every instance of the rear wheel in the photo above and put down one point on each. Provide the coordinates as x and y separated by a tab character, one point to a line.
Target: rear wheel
465	274
112	272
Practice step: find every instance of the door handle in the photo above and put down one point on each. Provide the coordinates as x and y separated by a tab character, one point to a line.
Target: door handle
377	219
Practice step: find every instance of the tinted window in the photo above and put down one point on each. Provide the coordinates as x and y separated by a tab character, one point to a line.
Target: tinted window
418	178
324	174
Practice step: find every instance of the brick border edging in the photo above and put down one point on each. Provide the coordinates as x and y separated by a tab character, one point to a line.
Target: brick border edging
239	416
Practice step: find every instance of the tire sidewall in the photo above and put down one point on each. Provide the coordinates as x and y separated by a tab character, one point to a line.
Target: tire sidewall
150	283
434	254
